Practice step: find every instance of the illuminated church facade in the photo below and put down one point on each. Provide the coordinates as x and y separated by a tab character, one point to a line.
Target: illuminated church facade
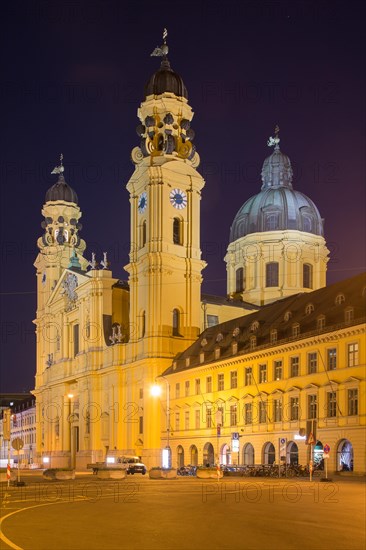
102	342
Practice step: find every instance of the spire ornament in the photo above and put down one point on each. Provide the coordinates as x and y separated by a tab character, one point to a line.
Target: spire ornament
59	169
163	50
274	141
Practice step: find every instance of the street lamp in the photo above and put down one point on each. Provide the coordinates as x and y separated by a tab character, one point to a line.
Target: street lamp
156	391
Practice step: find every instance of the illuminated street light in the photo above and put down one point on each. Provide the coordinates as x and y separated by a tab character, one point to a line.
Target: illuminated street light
156	391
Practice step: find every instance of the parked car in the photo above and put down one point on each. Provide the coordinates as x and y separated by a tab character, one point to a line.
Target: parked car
133	465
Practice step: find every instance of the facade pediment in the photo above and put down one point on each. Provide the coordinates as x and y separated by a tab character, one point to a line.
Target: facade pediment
66	288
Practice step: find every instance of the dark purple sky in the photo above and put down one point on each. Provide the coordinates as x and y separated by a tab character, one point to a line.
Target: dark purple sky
73	75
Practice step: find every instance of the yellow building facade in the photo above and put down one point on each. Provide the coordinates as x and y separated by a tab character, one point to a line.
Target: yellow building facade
102	342
295	368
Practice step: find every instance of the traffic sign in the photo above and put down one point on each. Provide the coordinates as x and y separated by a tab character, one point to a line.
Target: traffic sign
17	443
326	449
311	439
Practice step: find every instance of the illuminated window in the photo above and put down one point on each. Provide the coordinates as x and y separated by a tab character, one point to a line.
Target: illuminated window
352	355
212	320
262	373
277	370
331	359
248	376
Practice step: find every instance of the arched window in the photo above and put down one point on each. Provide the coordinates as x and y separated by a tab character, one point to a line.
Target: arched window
271	222
176	322
143	233
177	231
272	274
239	279
307	224
307	276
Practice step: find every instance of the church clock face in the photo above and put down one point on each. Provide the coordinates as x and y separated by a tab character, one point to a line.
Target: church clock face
178	199
142	203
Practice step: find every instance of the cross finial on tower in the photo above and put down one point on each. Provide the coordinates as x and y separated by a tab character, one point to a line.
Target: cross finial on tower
274	141
59	169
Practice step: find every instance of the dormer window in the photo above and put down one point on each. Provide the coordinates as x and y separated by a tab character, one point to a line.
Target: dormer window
253	342
309	309
295	330
320	322
287	316
349	314
340	298
273	336
271	222
254	326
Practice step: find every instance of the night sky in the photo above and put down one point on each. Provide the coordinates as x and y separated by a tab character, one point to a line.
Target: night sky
73	75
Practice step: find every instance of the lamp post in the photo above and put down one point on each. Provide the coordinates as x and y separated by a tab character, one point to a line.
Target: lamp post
156	392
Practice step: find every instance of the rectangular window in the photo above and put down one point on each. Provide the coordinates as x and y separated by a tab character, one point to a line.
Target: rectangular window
186	420
177	422
177	390
197	416
352	355
312	362
208	418
352	402
277	410
295	331
186	388
209	384
141	424
273	336
220	382
331	359
212	320
262	373
312	407
198	386
294	366
278	370
76	339
348	315
233	415
262	412
233	379
294	408
272	274
141	393
320	323
331	404
248	416
248	376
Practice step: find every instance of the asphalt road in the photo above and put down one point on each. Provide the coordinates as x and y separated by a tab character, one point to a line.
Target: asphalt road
182	514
